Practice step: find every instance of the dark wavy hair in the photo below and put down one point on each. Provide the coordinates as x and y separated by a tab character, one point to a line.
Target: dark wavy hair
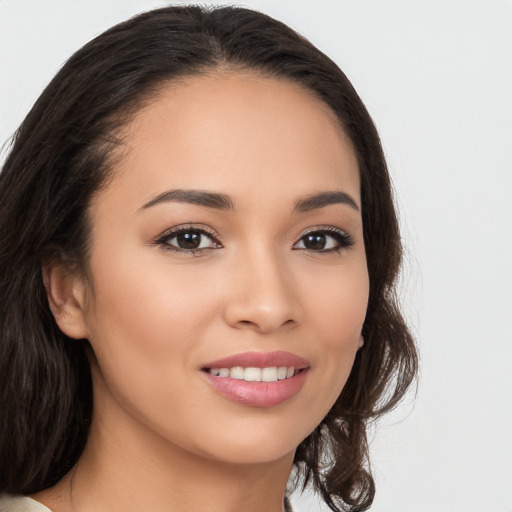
63	153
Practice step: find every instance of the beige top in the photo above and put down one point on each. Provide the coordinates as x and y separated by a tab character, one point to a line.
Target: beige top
23	504
20	504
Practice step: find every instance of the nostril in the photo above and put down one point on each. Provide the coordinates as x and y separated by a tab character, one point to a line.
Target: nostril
259	314
264	325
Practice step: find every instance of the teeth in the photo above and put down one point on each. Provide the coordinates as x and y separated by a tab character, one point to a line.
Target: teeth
269	374
251	374
281	372
236	373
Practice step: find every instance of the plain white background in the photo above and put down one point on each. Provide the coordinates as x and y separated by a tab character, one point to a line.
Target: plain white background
436	76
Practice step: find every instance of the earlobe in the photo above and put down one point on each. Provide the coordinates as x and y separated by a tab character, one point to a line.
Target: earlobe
65	290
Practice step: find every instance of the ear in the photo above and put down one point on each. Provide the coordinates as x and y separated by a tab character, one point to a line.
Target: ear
361	342
66	296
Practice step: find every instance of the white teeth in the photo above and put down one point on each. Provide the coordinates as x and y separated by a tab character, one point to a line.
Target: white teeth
269	374
237	372
281	372
252	374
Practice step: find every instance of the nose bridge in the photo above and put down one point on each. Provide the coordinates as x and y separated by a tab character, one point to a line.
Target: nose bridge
263	296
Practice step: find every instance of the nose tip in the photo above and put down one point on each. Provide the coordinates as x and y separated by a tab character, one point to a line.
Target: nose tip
263	301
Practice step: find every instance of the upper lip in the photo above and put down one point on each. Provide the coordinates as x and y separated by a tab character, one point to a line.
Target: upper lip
259	360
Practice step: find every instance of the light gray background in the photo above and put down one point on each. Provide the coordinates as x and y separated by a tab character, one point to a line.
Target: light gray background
437	77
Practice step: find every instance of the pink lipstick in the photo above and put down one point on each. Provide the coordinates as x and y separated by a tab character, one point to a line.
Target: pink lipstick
257	379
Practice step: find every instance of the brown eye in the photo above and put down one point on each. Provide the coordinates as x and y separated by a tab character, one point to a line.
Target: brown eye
324	240
188	239
314	242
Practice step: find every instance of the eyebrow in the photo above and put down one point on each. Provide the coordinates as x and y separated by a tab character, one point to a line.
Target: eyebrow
199	197
224	202
323	199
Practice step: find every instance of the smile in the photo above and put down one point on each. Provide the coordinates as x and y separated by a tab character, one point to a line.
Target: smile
257	379
252	374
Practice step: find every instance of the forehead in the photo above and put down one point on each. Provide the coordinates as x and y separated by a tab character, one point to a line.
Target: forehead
237	133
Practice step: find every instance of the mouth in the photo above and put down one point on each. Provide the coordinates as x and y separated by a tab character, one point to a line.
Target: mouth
254	374
257	379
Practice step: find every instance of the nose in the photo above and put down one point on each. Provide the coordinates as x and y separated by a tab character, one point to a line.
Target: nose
262	295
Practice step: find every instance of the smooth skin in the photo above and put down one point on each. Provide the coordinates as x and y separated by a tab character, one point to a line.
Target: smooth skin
155	312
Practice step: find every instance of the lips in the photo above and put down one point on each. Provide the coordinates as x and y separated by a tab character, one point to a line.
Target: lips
260	360
257	379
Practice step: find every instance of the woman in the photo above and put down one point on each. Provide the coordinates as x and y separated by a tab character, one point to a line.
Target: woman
199	247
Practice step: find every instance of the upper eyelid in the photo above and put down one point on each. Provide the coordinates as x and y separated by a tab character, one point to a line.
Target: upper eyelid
323	228
343	237
169	233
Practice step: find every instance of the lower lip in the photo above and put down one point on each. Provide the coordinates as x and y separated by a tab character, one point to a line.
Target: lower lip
257	394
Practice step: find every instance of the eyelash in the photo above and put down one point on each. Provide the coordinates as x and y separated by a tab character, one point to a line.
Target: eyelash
342	239
164	239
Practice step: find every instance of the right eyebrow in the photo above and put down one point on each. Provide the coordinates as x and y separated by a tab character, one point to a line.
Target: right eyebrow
199	197
324	199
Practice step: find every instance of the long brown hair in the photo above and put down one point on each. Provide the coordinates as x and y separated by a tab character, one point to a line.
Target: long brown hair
62	154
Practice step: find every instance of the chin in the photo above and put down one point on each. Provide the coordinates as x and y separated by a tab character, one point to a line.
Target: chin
249	454
257	442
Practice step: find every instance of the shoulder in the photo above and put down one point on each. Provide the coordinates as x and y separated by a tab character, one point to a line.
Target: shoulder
20	504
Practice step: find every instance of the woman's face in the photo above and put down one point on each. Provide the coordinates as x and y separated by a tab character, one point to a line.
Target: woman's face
230	237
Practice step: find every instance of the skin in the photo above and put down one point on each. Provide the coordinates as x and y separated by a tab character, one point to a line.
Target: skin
162	438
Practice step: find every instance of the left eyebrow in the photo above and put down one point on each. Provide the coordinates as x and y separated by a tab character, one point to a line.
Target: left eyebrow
323	199
199	197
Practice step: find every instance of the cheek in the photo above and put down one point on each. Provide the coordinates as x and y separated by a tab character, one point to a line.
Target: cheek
336	309
146	330
146	312
337	303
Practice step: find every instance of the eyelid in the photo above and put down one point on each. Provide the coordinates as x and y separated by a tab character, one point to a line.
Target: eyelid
170	233
324	229
343	238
